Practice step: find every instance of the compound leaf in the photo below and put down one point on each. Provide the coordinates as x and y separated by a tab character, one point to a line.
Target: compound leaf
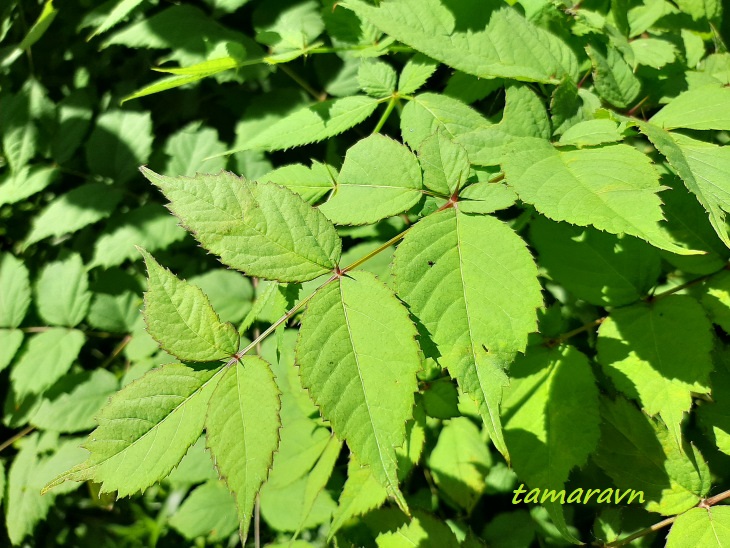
179	316
659	353
243	431
504	43
613	188
379	178
154	420
472	284
358	358
260	228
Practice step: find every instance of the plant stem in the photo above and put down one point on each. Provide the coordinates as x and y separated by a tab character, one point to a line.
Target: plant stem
304	85
24	432
386	114
375	251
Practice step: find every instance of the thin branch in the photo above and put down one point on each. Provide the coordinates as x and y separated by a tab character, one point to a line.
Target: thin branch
318	96
386	114
638	534
117	350
24	432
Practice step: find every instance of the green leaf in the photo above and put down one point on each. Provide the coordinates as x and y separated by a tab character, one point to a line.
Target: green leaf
701	9
260	228
62	292
28	473
114	313
311	183
243	431
672	480
716	299
704	527
422	530
291	27
428	113
10	341
197	467
14	291
486	197
441	400
591	133
570	105
614	188
313	123
179	316
613	78
45	359
19	132
74	117
318	478
600	268
40	26
73	211
703	108
120	141
71	404
445	164
230	293
459	462
659	353
376	78
187	75
703	167
508	46
470	89
154	420
524	116
715	416
116	15
190	146
653	52
361	493
472	284
689	225
417	70
551	419
358	358
209	511
150	226
25	182
379	178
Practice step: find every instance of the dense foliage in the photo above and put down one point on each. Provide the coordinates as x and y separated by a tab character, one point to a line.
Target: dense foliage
422	259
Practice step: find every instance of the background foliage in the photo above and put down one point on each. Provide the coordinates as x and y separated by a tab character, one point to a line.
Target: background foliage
562	172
